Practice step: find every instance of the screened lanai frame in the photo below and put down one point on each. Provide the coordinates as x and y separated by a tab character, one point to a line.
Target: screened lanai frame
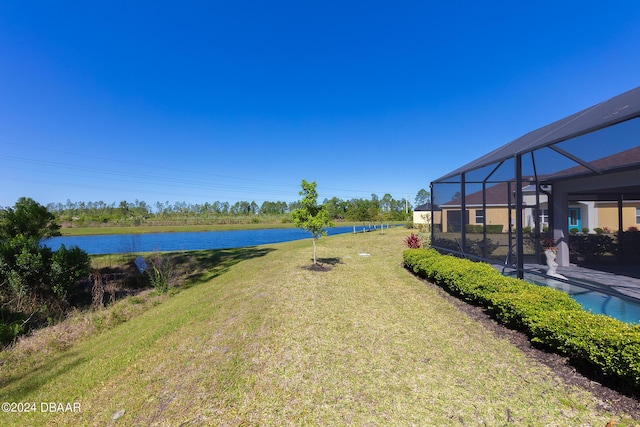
528	185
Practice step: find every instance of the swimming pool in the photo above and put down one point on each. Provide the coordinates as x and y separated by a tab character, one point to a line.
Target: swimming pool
592	297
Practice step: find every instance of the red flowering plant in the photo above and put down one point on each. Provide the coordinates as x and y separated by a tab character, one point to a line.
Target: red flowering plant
413	241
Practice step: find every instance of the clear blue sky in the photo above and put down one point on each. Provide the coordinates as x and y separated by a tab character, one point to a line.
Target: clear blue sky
240	100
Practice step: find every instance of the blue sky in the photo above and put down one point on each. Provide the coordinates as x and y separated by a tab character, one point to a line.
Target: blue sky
201	101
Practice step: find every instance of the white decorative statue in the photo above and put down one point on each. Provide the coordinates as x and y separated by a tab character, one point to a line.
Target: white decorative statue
552	264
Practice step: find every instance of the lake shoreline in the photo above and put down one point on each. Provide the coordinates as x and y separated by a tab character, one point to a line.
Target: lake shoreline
146	229
191	240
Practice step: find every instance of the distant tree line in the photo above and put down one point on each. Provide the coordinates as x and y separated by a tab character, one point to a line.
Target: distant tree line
36	282
139	212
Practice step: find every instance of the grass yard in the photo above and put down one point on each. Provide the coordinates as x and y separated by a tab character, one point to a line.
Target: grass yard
261	339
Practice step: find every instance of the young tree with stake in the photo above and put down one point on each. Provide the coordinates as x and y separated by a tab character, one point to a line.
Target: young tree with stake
310	216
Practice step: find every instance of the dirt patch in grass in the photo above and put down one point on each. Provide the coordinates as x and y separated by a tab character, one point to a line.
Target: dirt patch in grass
318	267
323	264
611	399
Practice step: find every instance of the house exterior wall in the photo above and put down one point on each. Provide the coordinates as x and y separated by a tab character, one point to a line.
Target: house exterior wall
592	214
494	215
499	214
608	215
424	217
421	217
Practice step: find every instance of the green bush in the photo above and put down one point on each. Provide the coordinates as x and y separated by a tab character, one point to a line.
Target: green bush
474	228
494	229
162	274
10	331
477	228
34	279
591	246
447	244
628	246
68	266
605	346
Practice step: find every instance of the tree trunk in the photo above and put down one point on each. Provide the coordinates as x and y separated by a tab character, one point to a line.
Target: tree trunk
314	250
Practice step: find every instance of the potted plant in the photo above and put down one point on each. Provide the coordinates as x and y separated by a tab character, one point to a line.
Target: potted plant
549	244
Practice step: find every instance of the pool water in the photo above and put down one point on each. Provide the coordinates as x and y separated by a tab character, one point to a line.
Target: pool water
621	308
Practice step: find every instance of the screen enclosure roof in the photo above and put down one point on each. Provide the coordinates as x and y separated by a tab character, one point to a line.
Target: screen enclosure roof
618	109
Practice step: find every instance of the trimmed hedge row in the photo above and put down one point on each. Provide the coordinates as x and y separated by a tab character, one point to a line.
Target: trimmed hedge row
607	347
491	229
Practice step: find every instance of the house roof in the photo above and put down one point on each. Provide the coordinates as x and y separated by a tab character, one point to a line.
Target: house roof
620	108
426	207
496	194
625	159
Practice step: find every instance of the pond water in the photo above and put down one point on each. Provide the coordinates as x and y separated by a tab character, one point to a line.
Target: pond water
185	241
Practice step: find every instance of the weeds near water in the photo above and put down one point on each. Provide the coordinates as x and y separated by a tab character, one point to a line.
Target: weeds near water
163	274
97	291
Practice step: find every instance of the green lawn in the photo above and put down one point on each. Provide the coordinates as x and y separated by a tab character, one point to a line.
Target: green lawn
259	339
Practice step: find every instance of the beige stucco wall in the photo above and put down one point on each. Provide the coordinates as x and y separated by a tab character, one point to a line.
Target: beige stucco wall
494	215
424	217
608	215
421	217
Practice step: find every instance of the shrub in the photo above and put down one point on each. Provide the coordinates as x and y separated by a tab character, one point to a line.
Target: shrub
605	346
474	247
10	331
68	266
585	230
573	230
443	243
598	230
413	241
477	228
628	247
162	274
494	228
591	246
474	228
34	279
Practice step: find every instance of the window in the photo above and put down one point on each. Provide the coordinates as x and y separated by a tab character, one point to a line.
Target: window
574	218
637	215
544	216
479	216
